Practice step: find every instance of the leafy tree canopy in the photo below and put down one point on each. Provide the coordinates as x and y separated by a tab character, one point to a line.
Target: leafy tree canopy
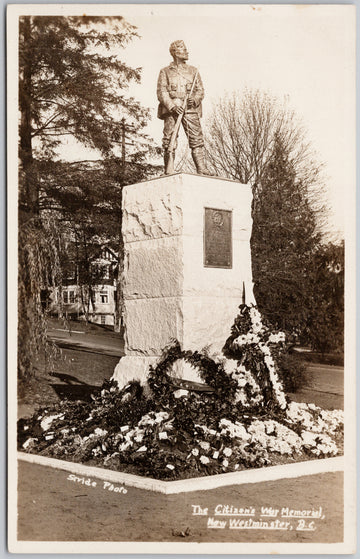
73	84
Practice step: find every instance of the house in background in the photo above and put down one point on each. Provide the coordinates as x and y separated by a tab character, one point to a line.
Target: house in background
95	300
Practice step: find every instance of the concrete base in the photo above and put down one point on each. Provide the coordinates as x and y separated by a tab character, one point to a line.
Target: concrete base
169	293
133	367
253	475
136	367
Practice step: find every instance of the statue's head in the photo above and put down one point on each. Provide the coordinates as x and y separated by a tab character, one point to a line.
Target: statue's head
178	49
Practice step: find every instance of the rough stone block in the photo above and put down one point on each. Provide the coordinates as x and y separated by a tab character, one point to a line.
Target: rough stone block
154	268
208	322
151	324
169	293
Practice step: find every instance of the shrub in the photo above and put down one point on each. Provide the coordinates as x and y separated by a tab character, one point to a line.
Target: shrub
292	371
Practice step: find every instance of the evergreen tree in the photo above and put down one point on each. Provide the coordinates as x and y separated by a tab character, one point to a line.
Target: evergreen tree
72	85
284	240
325	328
257	140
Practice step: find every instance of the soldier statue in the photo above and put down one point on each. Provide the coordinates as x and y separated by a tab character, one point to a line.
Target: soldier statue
180	92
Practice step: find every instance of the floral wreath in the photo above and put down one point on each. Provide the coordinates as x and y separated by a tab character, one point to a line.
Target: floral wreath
213	374
252	343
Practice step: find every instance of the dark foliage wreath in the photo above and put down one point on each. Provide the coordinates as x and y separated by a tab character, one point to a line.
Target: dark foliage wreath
213	374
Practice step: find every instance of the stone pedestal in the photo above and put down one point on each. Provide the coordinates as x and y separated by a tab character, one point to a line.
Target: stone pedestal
170	291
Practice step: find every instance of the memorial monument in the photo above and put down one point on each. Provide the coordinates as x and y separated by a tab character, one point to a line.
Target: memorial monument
180	93
186	241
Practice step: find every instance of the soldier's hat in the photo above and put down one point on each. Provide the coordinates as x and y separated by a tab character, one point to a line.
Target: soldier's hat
175	45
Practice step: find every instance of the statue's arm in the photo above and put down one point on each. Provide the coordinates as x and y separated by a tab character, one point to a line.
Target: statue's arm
198	92
162	92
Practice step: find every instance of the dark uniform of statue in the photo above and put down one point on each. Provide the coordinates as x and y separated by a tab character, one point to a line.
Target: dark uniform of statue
174	84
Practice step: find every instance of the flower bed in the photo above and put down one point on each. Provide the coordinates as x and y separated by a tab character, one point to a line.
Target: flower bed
161	431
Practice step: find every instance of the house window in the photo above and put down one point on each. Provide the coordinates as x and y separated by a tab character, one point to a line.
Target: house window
103	319
104	298
71	296
65	297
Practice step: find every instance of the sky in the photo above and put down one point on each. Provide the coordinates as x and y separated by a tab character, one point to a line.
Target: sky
304	53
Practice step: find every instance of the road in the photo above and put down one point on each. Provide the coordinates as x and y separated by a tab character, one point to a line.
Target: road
326	382
326	378
93	343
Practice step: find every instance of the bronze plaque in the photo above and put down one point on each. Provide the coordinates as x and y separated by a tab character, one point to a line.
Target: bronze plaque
217	238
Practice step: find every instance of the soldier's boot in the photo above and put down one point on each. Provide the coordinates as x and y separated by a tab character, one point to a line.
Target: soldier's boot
169	157
198	155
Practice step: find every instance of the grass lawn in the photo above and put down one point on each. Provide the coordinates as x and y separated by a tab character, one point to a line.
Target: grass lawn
75	375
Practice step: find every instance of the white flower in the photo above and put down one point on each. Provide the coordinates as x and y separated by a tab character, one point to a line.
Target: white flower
308	437
256	321
180	393
204	459
28	442
47	421
163	435
142	449
138	438
216	454
204	445
129	436
100	432
241	397
161	416
170	466
275	437
234	430
241	382
227	451
195	451
276	384
124	428
125	445
277	338
225	463
240	341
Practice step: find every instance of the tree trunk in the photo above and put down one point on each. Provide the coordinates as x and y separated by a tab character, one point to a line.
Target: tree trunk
30	186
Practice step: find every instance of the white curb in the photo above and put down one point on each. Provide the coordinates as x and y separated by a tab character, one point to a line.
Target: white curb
255	475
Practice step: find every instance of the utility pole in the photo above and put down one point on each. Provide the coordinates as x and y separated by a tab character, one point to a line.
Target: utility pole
123	147
119	299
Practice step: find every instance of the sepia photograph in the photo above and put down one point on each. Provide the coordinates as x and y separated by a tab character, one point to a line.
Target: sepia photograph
181	278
